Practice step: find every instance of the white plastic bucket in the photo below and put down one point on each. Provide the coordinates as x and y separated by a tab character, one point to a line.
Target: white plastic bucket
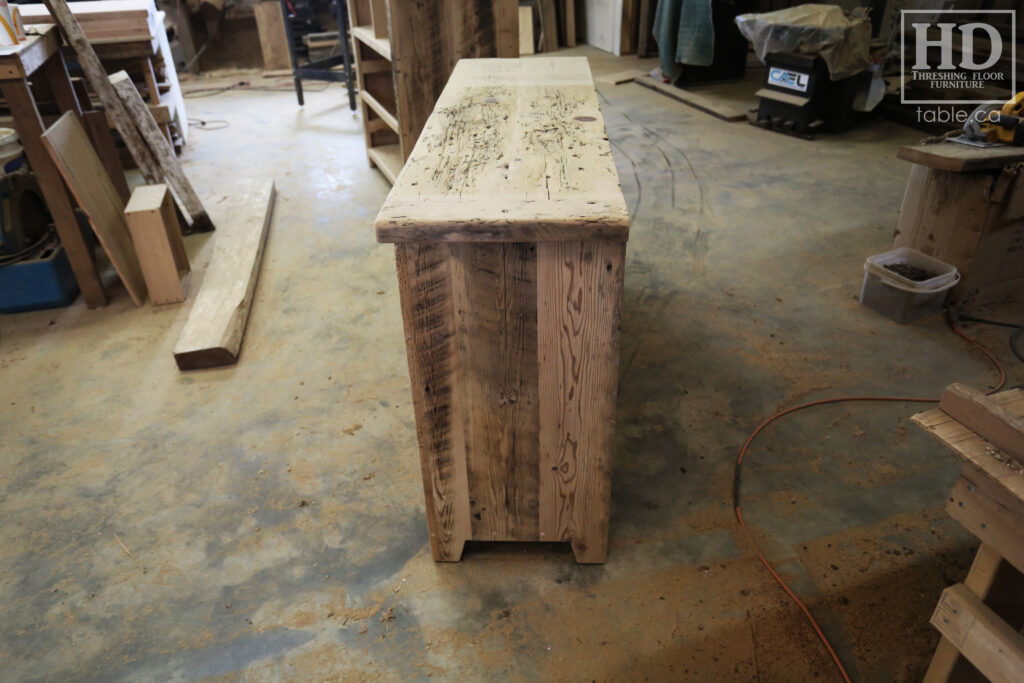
911	257
899	298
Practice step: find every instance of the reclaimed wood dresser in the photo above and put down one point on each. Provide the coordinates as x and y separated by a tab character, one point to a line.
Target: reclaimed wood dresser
510	235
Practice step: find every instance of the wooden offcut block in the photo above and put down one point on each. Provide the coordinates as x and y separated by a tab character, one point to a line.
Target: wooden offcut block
510	231
158	244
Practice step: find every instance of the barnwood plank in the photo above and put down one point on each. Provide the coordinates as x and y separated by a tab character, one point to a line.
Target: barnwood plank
627	37
495	297
428	315
569	23
981	414
548	25
157	237
543	171
162	150
579	287
988	642
273	38
85	176
723	110
620	77
213	333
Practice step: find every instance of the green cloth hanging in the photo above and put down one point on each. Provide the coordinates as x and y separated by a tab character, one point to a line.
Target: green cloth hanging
684	33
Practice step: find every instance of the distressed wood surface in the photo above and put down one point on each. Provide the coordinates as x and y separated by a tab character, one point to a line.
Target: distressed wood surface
428	37
579	286
161	149
425	289
515	151
495	290
213	333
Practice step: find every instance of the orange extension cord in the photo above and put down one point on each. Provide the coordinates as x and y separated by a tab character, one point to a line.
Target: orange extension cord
842	399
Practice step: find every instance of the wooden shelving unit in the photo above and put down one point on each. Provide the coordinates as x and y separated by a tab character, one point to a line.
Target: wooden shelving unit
401	74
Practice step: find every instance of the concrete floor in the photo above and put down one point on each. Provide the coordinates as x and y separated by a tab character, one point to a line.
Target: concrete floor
271	513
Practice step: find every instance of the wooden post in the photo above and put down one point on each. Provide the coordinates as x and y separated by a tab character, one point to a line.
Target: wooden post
150	156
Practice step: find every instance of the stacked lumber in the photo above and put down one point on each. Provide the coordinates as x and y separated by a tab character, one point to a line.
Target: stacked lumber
104	21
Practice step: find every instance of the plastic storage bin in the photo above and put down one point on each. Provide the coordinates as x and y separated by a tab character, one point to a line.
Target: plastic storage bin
902	299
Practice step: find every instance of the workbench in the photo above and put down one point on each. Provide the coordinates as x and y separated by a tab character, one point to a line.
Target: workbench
964	205
980	619
39	57
510	234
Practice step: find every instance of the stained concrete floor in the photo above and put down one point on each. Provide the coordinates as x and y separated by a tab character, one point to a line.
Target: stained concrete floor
265	521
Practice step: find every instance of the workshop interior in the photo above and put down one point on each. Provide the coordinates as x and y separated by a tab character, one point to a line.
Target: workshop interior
511	340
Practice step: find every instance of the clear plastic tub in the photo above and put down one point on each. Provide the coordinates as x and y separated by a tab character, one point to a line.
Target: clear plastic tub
902	299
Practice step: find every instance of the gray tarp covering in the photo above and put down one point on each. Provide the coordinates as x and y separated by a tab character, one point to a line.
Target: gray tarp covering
843	42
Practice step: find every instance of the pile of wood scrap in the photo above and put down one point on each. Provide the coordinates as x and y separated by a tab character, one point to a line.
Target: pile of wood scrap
143	237
130	35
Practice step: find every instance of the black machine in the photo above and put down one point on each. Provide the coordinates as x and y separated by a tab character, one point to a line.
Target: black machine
799	97
300	20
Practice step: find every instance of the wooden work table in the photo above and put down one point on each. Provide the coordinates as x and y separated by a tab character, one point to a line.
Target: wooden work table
40	56
965	205
510	231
